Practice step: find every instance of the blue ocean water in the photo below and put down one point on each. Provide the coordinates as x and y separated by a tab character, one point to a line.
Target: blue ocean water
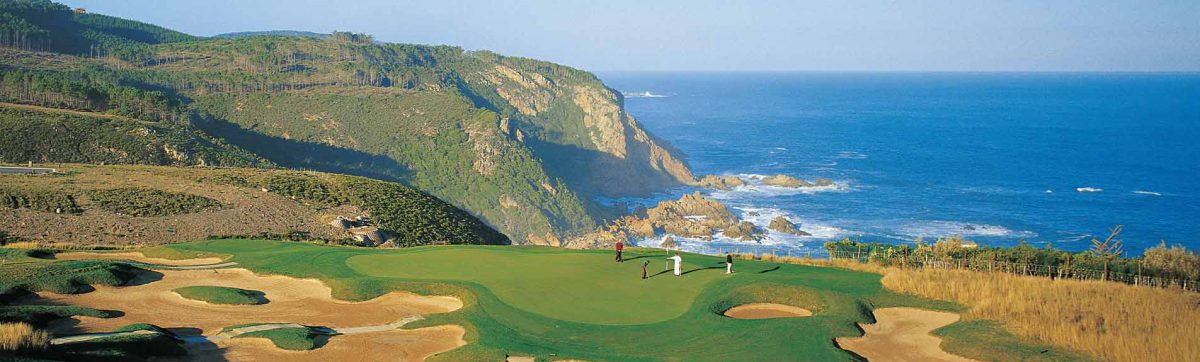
995	157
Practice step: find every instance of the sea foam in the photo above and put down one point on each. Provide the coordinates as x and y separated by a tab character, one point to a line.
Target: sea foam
644	94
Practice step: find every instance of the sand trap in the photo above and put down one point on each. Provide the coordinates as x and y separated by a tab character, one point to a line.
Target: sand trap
395	345
766	311
136	256
304	301
903	334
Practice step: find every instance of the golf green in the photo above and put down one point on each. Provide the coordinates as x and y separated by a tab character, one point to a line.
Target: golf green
556	284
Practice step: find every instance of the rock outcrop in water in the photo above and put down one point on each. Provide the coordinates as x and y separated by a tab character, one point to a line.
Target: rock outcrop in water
691	216
720	182
744	231
729	182
783	225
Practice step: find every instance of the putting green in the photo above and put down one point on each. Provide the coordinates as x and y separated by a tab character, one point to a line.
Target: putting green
557	284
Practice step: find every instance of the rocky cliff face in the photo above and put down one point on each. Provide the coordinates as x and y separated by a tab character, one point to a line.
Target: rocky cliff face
579	126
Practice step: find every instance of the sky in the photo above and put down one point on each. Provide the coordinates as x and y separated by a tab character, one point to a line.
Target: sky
764	35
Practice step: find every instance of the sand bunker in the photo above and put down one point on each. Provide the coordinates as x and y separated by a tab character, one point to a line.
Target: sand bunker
138	257
766	311
903	334
150	299
395	345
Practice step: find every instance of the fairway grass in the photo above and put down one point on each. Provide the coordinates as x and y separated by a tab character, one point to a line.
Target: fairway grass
222	295
578	304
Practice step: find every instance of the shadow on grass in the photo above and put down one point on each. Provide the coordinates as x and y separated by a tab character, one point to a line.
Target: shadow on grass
769	270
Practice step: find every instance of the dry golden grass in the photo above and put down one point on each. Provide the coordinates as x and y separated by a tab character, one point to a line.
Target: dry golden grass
21	336
1110	321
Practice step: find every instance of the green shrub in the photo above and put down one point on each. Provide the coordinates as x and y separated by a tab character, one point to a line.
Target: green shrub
150	202
38	199
1175	261
38	314
305	188
64	277
225	179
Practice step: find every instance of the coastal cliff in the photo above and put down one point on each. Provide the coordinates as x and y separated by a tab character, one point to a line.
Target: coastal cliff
525	145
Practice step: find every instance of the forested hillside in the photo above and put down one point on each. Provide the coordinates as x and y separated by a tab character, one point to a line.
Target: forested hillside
524	144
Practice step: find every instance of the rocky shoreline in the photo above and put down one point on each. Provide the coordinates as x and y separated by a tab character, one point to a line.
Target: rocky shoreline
695	216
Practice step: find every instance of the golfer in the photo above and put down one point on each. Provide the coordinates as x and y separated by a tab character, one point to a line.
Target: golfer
644	265
620	248
678	264
728	263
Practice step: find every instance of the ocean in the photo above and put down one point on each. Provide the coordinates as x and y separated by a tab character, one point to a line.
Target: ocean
998	158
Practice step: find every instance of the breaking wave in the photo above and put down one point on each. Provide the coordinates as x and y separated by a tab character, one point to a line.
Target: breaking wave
939	228
645	94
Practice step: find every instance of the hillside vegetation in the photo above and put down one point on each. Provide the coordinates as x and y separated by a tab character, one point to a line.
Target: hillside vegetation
523	144
45	135
158	204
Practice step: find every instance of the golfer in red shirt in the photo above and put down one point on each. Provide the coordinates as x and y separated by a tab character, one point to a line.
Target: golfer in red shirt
620	247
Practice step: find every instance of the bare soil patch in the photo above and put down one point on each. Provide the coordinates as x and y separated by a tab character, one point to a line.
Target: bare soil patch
766	311
903	334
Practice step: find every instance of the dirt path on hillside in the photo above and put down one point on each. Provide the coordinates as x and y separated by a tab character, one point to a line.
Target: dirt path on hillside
138	257
903	334
766	311
69	111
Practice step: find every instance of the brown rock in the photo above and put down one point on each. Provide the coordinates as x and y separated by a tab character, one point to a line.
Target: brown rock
720	182
782	224
785	181
744	231
668	243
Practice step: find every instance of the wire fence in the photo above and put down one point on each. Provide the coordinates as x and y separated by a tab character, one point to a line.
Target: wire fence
993	266
1068	271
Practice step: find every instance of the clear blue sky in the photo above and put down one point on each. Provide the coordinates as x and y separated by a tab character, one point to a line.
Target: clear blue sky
953	35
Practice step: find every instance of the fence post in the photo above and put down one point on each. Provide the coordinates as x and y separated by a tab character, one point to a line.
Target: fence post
1068	266
1138	281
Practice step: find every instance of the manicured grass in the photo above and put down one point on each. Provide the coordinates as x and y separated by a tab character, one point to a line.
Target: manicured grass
557	304
997	341
292	339
555	284
62	277
222	295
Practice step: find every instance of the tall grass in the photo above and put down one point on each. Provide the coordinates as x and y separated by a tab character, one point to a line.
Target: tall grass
1111	321
21	336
